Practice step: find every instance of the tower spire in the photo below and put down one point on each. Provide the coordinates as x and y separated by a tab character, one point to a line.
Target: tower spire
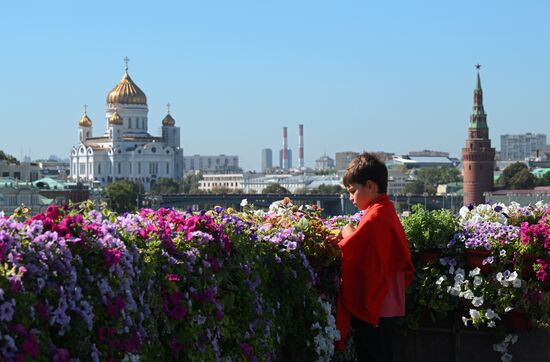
478	118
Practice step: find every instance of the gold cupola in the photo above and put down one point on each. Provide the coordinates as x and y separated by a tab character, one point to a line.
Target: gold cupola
168	120
126	91
115	118
85	121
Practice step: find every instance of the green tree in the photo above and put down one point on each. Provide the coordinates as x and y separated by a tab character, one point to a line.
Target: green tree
524	179
433	176
416	187
167	186
275	188
328	189
123	195
544	180
191	184
9	158
516	176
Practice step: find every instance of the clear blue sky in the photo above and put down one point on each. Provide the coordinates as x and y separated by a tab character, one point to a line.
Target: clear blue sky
392	76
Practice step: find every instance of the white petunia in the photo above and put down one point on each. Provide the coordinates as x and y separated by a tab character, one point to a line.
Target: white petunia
490	314
476	316
244	202
477	301
468	295
477	281
474	272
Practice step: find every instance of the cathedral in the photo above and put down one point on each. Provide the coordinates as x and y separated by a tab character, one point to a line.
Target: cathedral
126	151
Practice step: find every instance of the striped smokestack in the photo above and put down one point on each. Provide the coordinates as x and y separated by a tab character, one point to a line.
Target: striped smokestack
285	149
301	146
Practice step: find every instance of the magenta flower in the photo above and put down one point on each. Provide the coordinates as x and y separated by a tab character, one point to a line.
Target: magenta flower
61	355
173	278
116	306
30	346
111	256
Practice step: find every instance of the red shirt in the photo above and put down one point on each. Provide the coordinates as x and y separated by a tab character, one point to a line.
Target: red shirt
371	257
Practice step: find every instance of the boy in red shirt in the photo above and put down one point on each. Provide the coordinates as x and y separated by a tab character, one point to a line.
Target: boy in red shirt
376	263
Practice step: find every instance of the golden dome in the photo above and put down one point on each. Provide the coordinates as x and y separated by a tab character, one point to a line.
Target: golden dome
85	121
168	120
115	118
126	92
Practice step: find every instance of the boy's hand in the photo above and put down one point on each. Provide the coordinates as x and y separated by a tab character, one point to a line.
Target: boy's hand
348	230
334	238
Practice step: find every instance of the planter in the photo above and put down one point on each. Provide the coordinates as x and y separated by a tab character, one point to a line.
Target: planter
474	259
429	256
518	320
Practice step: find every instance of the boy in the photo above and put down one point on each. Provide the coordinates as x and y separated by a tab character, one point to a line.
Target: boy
376	263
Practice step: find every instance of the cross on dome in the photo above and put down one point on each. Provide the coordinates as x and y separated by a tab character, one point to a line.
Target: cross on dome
126	60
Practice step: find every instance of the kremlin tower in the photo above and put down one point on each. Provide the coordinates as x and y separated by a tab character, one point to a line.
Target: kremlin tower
478	157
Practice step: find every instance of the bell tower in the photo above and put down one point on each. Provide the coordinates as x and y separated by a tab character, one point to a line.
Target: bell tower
478	157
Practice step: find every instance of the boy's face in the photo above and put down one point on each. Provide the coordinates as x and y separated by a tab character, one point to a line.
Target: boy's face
363	195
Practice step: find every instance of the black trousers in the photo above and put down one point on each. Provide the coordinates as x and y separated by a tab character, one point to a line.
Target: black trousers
373	343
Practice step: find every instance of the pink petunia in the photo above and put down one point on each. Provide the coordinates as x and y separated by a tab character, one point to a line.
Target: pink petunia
111	256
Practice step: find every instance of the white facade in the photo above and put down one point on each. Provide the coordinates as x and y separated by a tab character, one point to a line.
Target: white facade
210	182
126	150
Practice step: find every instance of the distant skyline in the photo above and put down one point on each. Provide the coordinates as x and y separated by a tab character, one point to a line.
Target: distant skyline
380	76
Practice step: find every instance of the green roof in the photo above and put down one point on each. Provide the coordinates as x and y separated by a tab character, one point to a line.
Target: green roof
539	172
51	184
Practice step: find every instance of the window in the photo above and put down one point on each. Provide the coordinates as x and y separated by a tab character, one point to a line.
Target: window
118	167
98	168
82	168
139	168
167	168
153	168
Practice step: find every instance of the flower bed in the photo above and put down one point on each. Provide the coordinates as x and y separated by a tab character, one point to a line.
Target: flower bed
252	285
167	285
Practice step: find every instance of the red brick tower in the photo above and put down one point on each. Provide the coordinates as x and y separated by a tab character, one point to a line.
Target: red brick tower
478	156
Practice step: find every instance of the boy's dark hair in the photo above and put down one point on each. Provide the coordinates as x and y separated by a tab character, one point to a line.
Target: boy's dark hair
364	167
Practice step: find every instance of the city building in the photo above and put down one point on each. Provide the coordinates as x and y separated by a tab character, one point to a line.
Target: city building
343	159
518	147
429	153
60	169
22	171
422	161
300	183
285	164
213	182
267	159
126	150
324	163
219	163
478	156
15	193
397	180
